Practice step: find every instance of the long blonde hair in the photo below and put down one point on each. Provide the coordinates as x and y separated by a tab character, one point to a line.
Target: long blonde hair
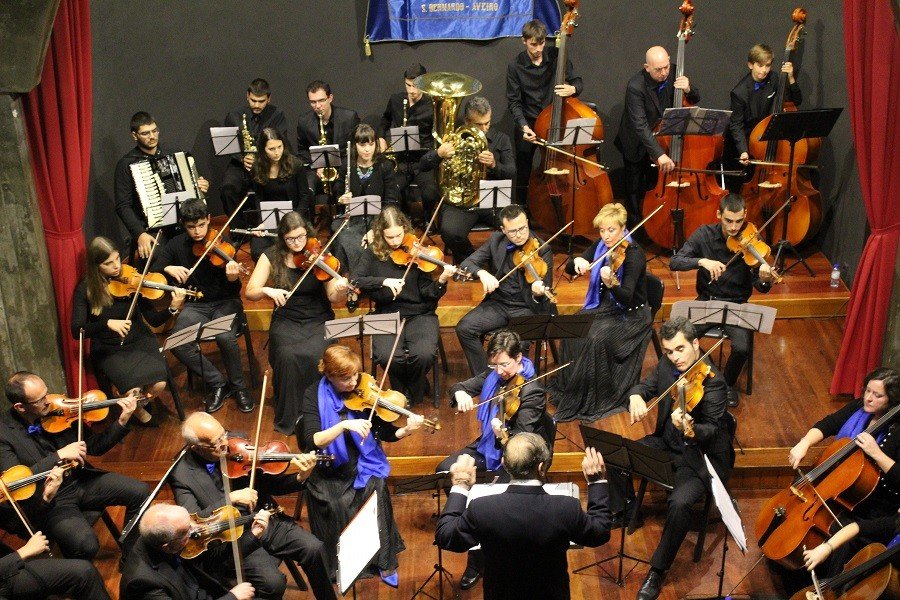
390	216
98	252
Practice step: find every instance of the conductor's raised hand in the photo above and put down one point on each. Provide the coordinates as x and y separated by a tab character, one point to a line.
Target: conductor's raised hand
592	465
462	472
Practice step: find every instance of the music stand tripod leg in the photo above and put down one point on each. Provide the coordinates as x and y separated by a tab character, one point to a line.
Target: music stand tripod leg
439	571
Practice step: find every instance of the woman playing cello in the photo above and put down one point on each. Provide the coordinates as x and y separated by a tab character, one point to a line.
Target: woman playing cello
336	492
126	351
608	361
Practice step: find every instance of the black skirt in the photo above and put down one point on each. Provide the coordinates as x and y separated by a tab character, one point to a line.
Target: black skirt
606	364
137	363
295	348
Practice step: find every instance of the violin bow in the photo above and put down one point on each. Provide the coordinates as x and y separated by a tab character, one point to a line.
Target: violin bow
80	382
763	226
218	236
681	377
312	264
550	146
226	488
535	251
521	385
137	295
422	238
616	245
18	510
262	402
387	368
140	513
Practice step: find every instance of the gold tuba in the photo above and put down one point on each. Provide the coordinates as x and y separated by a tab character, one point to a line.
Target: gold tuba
460	174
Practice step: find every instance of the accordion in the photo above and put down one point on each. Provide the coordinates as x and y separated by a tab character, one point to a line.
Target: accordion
162	182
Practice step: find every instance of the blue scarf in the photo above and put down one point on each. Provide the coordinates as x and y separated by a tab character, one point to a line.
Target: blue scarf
487	444
372	460
894	541
592	299
856	424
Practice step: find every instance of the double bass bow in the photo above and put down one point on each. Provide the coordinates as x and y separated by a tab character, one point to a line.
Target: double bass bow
567	185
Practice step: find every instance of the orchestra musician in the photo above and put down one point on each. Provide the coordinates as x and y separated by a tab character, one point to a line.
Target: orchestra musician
512	297
834	552
154	571
706	251
297	332
406	109
647	95
221	289
197	484
751	101
506	364
23	441
607	363
324	124
277	176
370	175
415	298
258	114
145	133
711	437
335	492
457	222
525	532
124	350
530	87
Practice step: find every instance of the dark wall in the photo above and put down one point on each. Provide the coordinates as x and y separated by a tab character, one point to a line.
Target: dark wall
188	63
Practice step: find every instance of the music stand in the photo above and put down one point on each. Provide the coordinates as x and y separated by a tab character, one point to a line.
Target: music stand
361	326
362	206
404	139
325	157
165	213
494	195
546	328
793	127
754	317
225	140
615	454
688	121
359	542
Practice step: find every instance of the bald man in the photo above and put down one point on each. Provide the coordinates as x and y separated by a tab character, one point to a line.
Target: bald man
525	532
648	94
153	570
197	484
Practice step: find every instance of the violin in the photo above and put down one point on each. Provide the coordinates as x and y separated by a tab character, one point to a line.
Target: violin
216	528
274	458
690	384
528	259
64	411
616	260
327	265
510	403
869	575
427	258
220	254
752	247
153	288
389	404
22	483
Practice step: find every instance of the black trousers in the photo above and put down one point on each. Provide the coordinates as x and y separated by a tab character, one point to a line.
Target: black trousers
638	177
65	522
189	354
414	357
235	185
457	223
42	577
524	162
740	339
487	316
426	181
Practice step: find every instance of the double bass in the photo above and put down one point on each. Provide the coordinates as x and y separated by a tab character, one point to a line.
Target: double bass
562	180
767	190
690	190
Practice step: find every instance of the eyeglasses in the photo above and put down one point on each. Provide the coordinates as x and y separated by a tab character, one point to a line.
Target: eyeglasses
148	133
295	239
40	400
503	365
514	232
215	443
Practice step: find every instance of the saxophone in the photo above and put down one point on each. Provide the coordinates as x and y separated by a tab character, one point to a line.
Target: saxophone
329	174
248	144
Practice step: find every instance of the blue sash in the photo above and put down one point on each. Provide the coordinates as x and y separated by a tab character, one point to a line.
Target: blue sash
592	299
487	444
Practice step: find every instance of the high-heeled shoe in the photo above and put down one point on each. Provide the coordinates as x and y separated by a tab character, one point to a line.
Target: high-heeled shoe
392	579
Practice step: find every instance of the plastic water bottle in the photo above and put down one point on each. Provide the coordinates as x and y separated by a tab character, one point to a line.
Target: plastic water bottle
836	276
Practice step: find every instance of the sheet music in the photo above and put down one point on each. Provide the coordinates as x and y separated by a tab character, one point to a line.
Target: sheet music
358	543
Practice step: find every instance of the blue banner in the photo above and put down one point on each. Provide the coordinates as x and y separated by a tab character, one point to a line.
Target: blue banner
419	20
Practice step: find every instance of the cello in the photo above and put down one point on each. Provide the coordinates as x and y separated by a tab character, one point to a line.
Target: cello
869	575
690	190
767	190
561	181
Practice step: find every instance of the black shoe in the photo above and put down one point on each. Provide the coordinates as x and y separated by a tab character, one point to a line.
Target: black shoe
469	578
652	586
216	399
733	397
245	403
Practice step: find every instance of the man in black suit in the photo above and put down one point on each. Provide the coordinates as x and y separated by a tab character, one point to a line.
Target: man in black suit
197	484
687	438
338	124
154	571
512	297
648	94
23	441
525	532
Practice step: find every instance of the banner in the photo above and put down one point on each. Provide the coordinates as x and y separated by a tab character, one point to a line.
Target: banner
420	20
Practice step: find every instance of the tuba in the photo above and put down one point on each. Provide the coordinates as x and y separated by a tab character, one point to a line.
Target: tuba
460	174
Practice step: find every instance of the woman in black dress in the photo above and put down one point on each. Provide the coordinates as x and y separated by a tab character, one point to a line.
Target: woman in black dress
417	297
136	362
370	175
607	363
335	492
297	332
277	177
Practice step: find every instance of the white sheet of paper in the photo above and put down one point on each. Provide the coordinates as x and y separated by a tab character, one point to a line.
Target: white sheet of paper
358	543
729	513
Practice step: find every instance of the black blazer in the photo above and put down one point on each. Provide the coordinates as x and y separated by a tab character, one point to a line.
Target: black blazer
525	534
344	121
643	109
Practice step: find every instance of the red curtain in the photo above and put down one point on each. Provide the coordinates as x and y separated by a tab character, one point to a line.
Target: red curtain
872	55
58	123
